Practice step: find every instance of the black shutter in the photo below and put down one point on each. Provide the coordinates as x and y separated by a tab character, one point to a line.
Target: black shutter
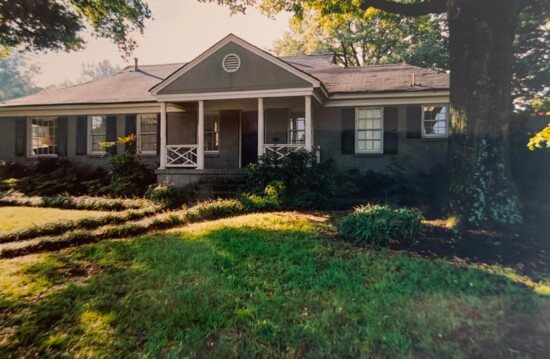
21	137
81	135
414	122
348	131
111	133
390	130
62	136
158	133
131	129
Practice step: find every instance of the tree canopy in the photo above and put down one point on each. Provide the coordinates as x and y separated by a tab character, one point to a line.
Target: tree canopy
16	77
368	38
59	25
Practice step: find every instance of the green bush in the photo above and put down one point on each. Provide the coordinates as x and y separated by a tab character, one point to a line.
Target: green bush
269	200
380	225
167	195
305	183
127	176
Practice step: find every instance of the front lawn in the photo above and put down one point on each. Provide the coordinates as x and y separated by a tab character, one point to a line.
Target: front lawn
12	218
264	285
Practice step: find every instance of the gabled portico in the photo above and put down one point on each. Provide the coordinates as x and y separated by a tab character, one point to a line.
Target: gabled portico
266	121
235	84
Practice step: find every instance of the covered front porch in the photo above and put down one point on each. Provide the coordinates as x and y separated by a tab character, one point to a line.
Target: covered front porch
226	135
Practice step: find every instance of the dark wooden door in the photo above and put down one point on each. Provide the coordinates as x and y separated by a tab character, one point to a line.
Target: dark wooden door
249	143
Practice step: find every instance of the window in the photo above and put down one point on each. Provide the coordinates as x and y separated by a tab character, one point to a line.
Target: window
43	133
435	121
368	130
297	129
97	132
211	133
147	133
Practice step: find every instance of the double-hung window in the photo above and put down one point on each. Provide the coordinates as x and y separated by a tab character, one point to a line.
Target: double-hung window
43	136
368	130
211	133
297	129
97	133
147	133
435	121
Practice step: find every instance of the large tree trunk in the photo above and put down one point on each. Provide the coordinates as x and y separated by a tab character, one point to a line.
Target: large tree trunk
481	37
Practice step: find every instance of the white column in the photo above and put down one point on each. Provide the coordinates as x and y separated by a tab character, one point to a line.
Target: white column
162	143
309	126
261	127
200	137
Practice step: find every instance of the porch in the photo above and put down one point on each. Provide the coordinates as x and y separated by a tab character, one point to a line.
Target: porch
226	135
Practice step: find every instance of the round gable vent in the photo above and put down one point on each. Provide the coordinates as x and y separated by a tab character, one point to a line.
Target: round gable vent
231	63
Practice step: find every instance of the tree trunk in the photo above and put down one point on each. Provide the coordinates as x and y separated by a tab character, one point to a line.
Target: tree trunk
481	53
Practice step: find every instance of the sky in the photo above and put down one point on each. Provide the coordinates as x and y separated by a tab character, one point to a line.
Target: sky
180	30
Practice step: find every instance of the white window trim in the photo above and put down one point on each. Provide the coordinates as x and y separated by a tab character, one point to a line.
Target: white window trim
138	133
89	136
30	154
369	152
219	130
428	135
289	130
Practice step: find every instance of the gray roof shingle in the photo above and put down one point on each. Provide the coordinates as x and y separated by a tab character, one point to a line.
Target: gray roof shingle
381	78
124	87
129	86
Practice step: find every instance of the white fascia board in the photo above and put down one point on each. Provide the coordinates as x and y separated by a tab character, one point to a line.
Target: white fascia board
232	38
233	95
398	98
75	110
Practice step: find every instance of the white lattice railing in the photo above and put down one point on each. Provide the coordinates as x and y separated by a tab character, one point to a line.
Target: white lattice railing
279	152
181	156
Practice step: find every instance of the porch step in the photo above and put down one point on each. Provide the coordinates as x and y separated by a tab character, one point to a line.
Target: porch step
206	183
219	187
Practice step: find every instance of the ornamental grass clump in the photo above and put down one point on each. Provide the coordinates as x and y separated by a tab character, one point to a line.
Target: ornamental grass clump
214	209
380	225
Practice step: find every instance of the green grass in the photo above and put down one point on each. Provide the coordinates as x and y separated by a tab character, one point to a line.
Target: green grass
263	285
15	218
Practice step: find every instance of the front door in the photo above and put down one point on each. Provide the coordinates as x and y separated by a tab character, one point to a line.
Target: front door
249	142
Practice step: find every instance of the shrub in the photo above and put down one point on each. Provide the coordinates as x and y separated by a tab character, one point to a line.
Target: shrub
380	225
127	176
167	195
305	183
13	170
269	200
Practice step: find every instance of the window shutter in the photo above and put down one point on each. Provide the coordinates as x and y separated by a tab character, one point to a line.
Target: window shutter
131	129
414	122
21	137
81	135
158	132
62	136
390	131
348	131
111	133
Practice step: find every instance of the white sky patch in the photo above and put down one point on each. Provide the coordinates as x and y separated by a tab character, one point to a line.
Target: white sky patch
180	30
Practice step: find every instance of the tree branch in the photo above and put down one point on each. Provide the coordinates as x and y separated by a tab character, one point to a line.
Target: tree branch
407	9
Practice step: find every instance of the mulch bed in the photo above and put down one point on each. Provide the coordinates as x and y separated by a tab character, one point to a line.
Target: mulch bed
526	248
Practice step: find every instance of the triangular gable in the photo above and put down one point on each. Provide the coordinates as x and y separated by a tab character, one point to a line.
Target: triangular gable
258	71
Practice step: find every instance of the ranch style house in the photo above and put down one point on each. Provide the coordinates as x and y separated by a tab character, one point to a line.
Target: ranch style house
235	102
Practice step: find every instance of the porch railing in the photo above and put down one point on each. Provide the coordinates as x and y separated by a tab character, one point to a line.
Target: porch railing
279	152
184	156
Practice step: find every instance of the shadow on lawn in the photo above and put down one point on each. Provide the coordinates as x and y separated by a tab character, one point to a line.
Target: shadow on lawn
249	292
525	249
